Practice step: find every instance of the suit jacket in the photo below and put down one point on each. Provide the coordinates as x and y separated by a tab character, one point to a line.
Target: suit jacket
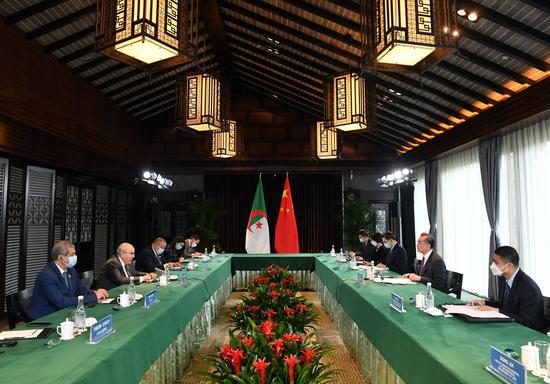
172	255
434	272
368	251
112	275
52	294
147	261
396	259
380	255
525	303
188	250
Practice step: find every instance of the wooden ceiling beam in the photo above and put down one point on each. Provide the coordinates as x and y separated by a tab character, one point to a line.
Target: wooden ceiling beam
31	11
61	22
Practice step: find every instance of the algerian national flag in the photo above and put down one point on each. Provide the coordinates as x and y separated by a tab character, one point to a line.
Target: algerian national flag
257	229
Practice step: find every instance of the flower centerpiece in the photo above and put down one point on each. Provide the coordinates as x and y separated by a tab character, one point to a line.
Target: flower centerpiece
269	342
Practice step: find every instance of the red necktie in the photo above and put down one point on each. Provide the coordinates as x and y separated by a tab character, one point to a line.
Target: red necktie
422	265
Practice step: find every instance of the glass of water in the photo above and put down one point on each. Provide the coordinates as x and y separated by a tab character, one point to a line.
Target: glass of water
541	370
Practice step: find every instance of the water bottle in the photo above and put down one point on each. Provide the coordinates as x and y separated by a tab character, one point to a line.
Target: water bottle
167	273
80	314
132	291
332	252
205	260
353	262
184	277
341	255
429	297
213	253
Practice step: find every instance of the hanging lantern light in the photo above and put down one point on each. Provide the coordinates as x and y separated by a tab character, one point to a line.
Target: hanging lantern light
147	32
224	142
198	103
327	141
411	34
349	102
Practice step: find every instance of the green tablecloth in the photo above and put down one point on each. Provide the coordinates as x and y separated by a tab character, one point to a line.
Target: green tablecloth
255	262
419	347
140	338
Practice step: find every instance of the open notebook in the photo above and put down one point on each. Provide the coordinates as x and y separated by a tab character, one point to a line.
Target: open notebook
473	315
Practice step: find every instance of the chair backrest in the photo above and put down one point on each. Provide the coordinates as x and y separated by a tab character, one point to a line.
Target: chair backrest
547	314
454	283
18	307
86	278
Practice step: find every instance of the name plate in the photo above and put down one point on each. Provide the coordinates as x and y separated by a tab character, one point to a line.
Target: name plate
506	368
102	329
396	302
151	298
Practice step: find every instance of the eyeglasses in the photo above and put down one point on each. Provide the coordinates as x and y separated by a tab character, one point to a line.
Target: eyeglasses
51	343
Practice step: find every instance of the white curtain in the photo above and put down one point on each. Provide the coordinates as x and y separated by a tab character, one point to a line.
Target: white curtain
421	220
524	202
462	226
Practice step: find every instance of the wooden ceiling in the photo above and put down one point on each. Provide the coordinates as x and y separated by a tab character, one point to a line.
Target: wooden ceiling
505	52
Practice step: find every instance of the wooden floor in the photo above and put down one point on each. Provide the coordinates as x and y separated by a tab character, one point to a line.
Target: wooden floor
326	332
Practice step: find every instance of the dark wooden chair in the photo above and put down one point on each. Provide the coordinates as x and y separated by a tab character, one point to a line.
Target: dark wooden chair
454	283
18	307
547	314
87	279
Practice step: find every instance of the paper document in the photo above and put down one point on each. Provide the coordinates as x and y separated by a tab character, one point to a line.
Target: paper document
473	311
394	280
24	334
106	301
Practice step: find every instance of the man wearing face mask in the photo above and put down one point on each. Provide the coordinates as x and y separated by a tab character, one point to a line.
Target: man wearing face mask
396	258
57	286
190	244
151	257
368	250
519	297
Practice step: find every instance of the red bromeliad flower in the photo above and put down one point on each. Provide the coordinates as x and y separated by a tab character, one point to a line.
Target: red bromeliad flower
291	362
270	313
274	294
248	341
301	307
284	282
260	366
291	278
267	279
239	308
253	308
273	285
267	328
308	355
237	355
282	270
271	270
278	347
289	311
292	338
225	351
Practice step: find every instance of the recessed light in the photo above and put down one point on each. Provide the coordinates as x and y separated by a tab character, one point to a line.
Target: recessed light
504	57
398	93
472	16
455	33
275	96
391	90
461	12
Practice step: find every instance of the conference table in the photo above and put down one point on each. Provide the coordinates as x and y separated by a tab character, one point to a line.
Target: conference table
416	347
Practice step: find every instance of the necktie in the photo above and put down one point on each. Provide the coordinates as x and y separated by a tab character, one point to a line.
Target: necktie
422	265
124	269
506	295
66	277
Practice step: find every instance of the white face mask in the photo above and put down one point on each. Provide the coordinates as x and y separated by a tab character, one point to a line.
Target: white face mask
194	245
496	270
361	240
387	245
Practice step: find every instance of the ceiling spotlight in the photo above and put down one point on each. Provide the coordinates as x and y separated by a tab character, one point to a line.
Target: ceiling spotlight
461	12
146	175
455	33
156	179
405	171
472	16
404	175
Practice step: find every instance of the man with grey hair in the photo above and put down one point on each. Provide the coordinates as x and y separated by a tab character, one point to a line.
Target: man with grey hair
57	286
432	267
119	269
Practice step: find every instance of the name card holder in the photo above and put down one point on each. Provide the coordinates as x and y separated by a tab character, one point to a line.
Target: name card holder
151	299
360	278
507	369
396	302
101	330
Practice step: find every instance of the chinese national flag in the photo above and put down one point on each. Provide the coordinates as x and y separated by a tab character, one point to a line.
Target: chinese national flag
286	232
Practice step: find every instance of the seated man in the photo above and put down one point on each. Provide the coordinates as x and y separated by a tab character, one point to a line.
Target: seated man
119	269
432	267
396	258
189	248
151	257
57	286
519	297
368	250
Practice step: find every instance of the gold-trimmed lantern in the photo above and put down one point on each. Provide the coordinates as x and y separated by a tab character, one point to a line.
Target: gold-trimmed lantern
198	103
410	34
327	140
146	33
348	102
224	142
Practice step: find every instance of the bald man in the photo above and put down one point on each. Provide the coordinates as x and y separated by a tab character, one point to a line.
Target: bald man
118	270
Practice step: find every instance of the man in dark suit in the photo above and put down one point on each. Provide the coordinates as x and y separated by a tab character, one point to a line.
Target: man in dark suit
151	257
57	286
119	269
368	251
432	268
190	246
519	297
396	258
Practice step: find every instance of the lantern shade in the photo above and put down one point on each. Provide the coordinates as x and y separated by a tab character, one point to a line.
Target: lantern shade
143	33
349	102
198	103
410	34
224	142
327	143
